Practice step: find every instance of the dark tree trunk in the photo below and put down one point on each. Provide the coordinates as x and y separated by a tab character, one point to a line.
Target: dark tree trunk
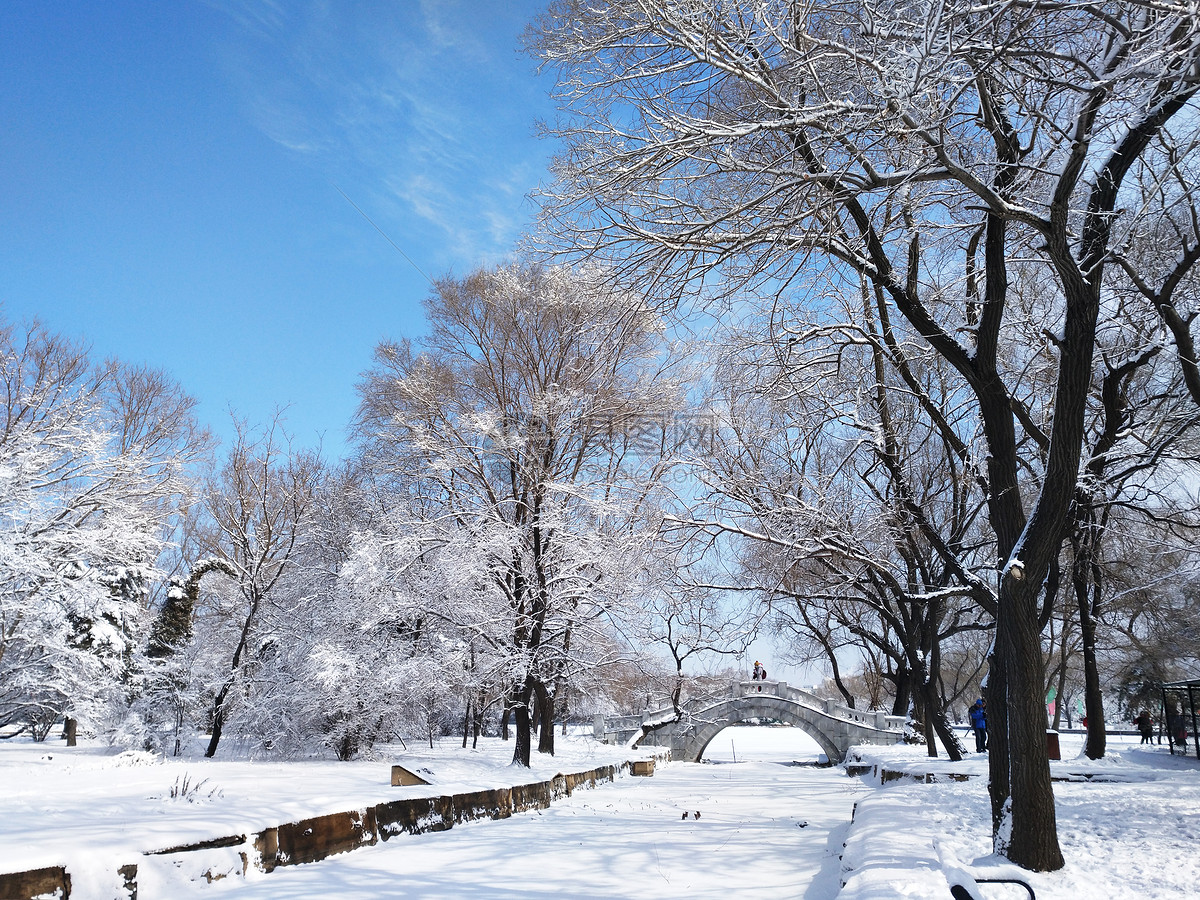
218	718
1085	579
522	747
938	723
903	682
920	714
466	724
928	733
936	700
179	714
1093	699
995	695
546	730
218	721
70	728
1032	830
219	711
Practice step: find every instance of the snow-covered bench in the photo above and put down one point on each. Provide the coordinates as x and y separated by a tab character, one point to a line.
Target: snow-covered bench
964	885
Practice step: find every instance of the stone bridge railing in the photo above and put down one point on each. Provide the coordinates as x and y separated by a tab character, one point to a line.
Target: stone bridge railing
834	708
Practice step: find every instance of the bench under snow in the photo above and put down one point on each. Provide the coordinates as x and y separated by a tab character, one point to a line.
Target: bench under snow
965	886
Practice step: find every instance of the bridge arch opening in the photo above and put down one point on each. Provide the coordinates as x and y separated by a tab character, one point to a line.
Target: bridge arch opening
763	741
757	708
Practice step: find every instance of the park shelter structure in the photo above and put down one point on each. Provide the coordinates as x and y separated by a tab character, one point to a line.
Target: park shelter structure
1181	714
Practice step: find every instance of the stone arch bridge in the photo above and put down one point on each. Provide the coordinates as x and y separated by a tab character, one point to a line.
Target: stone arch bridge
834	726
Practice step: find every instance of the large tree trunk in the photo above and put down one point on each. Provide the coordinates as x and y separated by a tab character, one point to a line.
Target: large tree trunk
903	683
546	730
180	711
995	694
522	746
1059	675
1093	698
219	710
938	723
936	701
218	719
921	714
1085	579
1029	829
563	695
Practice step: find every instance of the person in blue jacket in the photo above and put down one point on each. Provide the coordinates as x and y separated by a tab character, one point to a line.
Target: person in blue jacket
979	724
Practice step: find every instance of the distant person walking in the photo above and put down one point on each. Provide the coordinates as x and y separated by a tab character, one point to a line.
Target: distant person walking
1145	725
760	674
979	724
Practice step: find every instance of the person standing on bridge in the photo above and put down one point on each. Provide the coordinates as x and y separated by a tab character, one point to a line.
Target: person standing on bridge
760	674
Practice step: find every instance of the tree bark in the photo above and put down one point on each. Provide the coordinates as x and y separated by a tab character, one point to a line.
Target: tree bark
903	683
218	719
937	723
1093	697
546	731
1029	827
522	745
995	694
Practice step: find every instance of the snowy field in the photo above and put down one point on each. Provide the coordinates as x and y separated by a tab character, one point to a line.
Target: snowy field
768	827
1131	831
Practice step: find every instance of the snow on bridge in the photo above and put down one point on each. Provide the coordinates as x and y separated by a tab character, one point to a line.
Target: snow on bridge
835	726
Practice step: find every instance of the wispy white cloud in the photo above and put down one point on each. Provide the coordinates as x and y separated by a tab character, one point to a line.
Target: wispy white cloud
421	111
443	21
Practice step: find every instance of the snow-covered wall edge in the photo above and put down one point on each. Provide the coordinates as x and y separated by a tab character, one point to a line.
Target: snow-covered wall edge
316	838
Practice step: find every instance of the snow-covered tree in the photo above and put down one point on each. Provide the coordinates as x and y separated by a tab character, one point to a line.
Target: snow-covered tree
524	442
840	483
256	509
90	473
931	151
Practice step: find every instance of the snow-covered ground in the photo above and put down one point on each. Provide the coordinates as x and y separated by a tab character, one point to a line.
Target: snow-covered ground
1128	825
768	827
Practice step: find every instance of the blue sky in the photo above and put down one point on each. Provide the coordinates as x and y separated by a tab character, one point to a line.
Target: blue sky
172	178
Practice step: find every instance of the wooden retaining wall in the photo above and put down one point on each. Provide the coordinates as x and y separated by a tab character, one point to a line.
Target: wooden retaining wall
310	840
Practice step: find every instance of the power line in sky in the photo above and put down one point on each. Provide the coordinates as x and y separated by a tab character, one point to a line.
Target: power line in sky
385	235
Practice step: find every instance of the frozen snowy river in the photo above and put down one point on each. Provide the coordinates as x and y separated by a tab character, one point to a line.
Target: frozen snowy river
1129	833
767	828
